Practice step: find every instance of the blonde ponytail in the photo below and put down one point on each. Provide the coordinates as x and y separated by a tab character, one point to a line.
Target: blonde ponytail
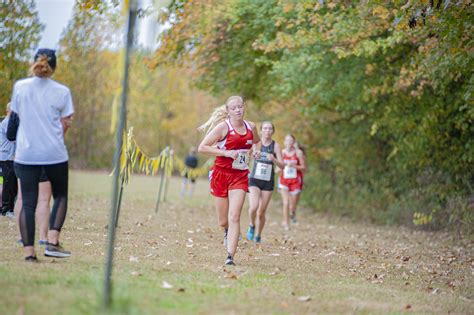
218	115
41	68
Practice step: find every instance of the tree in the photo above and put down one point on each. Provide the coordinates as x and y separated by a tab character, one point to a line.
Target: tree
20	31
383	90
88	67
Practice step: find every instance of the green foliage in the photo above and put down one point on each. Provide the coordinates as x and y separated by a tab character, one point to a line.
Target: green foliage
20	30
383	90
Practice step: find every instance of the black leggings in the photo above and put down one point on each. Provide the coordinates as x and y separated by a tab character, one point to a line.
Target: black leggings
29	176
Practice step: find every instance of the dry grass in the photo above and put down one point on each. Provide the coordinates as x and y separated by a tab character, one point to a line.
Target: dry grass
342	267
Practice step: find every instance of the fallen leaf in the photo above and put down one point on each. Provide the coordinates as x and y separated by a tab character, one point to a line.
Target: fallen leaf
181	290
231	276
135	273
305	298
133	259
408	306
166	285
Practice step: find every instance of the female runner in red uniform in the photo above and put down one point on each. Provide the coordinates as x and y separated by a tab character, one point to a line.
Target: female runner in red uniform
230	139
291	178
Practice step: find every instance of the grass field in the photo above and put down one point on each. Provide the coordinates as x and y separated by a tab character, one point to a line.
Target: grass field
322	265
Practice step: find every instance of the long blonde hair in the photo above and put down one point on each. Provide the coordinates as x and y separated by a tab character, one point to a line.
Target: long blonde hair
219	115
41	68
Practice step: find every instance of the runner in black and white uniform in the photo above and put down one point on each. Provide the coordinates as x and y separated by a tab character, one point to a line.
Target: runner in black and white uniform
262	181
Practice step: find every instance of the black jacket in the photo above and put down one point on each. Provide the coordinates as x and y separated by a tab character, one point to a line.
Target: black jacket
13	124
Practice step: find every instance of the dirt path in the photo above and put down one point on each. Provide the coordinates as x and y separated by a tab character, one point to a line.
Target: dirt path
322	265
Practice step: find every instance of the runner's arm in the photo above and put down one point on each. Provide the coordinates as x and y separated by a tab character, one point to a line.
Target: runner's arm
301	157
207	145
256	137
279	158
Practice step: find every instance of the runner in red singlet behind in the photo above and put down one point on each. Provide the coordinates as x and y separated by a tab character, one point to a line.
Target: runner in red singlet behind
290	183
230	139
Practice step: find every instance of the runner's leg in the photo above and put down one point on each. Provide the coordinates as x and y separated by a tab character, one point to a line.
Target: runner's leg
262	209
236	201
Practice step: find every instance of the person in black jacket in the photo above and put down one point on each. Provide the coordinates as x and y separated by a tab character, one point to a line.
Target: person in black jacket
191	162
7	153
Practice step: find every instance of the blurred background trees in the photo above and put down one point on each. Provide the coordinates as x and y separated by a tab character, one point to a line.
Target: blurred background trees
20	32
378	92
381	93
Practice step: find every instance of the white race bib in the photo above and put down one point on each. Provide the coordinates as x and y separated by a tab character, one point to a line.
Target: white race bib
241	161
289	172
263	171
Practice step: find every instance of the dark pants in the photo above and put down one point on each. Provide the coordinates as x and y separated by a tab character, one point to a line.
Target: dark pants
10	186
29	176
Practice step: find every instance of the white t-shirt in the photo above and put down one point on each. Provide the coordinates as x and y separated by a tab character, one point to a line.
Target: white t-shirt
40	104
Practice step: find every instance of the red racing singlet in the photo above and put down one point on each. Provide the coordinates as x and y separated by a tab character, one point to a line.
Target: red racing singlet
294	160
235	141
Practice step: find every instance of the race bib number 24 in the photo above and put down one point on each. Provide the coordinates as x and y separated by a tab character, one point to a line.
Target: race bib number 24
241	161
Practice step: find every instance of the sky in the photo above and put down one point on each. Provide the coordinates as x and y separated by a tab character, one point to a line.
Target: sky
55	15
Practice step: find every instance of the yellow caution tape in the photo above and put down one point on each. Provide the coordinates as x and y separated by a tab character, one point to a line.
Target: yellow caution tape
166	160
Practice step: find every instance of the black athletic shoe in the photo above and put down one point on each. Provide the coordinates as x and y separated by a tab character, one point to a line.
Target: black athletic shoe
229	261
56	251
31	259
10	214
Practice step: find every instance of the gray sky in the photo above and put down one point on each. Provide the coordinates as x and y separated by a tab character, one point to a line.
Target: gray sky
55	14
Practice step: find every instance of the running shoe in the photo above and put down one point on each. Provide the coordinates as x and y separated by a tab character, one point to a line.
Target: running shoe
10	214
56	251
31	259
229	261
43	242
258	239
250	233
293	217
